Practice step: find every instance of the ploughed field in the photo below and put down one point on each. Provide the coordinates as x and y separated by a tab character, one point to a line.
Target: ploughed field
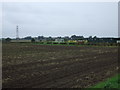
56	66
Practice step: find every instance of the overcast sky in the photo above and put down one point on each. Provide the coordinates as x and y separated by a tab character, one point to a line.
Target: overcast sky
60	19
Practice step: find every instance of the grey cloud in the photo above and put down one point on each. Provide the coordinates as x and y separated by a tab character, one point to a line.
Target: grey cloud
63	19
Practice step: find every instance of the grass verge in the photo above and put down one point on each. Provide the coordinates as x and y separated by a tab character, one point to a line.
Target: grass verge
113	82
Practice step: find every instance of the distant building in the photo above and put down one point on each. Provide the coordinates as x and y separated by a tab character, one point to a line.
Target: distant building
59	40
43	40
82	41
118	41
72	41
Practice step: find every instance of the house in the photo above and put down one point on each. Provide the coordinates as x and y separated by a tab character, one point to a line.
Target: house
118	41
59	40
72	41
82	41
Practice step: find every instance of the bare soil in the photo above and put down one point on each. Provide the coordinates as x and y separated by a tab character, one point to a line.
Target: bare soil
56	66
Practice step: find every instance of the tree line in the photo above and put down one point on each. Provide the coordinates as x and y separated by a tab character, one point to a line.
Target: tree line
94	39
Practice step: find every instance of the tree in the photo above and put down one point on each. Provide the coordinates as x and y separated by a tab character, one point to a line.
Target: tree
28	38
74	37
80	37
32	40
40	37
95	37
8	39
50	38
66	38
90	37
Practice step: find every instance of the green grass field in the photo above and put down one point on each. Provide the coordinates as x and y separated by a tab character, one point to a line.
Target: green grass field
113	82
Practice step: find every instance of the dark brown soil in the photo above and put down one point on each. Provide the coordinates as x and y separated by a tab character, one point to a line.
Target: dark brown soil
53	66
